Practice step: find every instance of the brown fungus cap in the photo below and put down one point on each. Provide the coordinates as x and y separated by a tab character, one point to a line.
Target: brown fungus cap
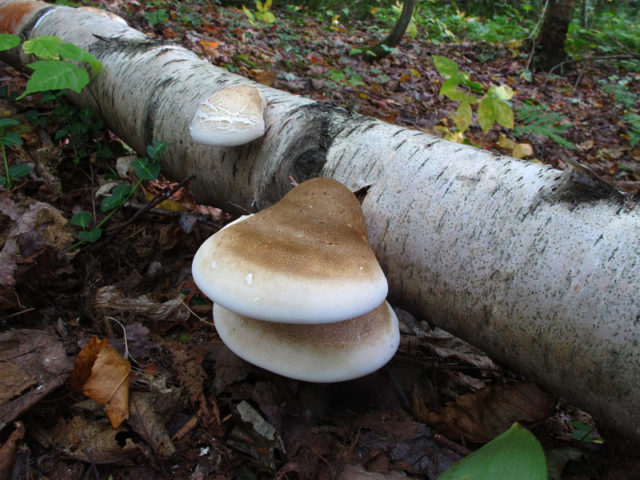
230	117
329	352
306	259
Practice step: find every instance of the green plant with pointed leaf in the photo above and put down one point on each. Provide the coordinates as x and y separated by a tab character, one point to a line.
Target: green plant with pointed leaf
515	454
56	69
145	168
262	13
458	87
8	139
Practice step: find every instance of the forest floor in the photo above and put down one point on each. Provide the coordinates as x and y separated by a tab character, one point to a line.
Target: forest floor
196	410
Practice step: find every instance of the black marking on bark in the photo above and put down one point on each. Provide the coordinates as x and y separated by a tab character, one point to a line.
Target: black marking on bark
579	184
128	47
396	134
398	146
175	60
28	27
150	110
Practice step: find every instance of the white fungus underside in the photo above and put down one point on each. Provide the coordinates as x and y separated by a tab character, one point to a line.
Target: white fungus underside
322	362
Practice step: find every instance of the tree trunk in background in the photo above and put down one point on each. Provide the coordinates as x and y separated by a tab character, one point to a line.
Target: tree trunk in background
393	39
540	268
553	33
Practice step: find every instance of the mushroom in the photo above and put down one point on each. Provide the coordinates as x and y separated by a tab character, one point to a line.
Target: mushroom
230	117
328	352
306	259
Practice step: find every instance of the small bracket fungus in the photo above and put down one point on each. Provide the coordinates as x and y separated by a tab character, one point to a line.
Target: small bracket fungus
230	117
306	259
328	352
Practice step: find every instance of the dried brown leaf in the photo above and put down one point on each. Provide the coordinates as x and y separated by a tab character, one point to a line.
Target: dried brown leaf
482	415
147	423
88	441
8	451
103	375
44	365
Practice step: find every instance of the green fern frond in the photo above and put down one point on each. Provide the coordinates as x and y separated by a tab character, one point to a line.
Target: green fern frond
539	121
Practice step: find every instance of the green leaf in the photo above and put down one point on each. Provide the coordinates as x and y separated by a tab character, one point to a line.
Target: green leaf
493	109
81	219
72	52
268	17
248	13
486	113
7	41
355	80
504	114
8	122
445	67
156	148
146	169
20	170
117	198
474	86
516	454
10	138
55	75
450	84
455	95
44	47
90	236
462	117
336	75
502	92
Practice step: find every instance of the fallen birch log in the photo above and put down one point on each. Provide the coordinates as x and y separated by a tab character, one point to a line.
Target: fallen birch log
537	267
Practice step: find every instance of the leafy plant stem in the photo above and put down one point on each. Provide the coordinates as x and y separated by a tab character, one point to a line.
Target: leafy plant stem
109	215
6	167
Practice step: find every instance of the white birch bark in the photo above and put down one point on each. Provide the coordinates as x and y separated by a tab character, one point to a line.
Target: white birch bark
538	267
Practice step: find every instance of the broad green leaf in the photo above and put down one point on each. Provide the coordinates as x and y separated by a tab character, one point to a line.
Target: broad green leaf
90	236
72	52
381	79
462	117
504	114
117	198
55	75
474	86
455	95
8	122
10	138
445	67
503	92
20	170
487	112
8	41
356	80
516	454
145	169
336	75
412	29
81	219
248	13
450	84
156	148
268	17
44	47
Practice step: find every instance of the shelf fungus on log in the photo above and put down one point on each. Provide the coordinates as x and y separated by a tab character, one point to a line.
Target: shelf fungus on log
297	288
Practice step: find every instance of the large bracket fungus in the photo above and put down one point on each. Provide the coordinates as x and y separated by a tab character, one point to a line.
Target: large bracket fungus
297	288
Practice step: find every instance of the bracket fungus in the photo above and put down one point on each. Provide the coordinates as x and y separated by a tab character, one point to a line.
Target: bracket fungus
230	117
298	290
